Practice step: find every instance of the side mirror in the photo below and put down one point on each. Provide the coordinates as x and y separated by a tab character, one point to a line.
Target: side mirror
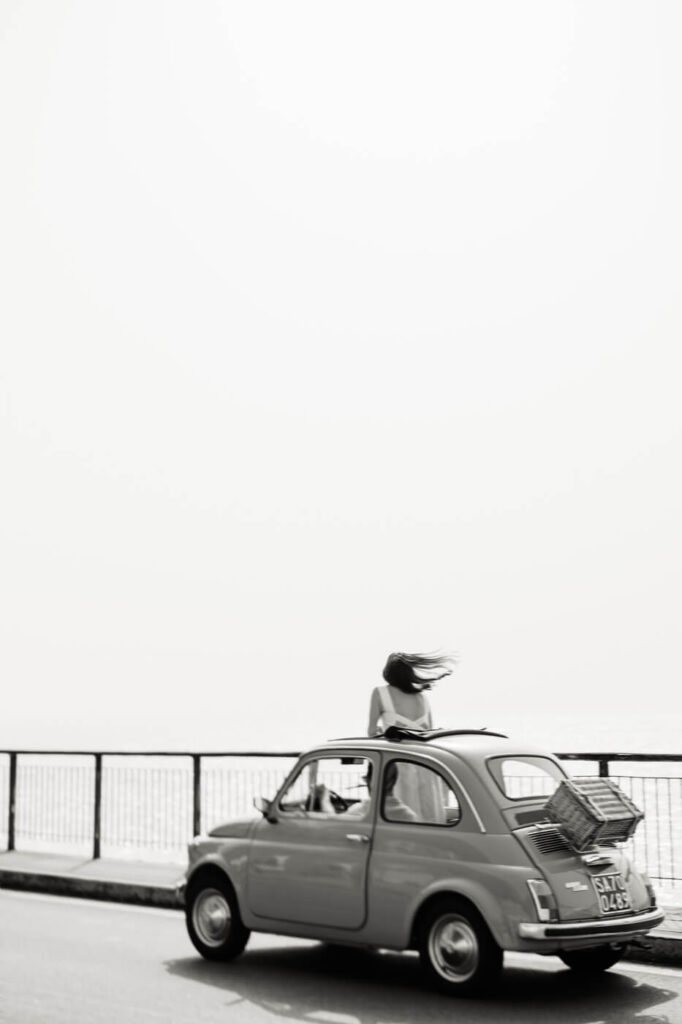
265	807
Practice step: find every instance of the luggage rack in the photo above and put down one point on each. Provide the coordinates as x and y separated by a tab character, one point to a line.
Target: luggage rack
593	811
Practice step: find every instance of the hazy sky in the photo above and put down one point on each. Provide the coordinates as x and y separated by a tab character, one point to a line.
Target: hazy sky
328	330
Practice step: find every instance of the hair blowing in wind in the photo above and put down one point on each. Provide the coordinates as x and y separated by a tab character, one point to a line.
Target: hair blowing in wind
413	672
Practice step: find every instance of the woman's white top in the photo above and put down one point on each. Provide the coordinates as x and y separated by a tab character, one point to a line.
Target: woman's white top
389	715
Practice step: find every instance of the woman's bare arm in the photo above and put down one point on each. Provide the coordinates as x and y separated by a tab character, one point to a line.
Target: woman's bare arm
374	713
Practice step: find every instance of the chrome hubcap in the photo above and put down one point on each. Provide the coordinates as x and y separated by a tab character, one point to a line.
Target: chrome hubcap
211	917
453	948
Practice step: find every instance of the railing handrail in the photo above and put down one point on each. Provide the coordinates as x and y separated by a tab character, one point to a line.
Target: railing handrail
570	756
619	757
155	753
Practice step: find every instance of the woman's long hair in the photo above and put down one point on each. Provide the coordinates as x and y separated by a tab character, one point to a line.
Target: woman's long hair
413	673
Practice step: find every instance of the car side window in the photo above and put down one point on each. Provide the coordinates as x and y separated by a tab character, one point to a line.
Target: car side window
327	786
414	793
522	776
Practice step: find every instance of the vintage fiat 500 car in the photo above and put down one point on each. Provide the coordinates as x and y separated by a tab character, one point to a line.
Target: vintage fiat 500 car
437	842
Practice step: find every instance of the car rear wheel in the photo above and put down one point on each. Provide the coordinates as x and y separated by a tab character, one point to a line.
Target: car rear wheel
213	920
457	952
594	959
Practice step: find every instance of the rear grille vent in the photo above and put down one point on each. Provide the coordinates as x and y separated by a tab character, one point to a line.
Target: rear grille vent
550	840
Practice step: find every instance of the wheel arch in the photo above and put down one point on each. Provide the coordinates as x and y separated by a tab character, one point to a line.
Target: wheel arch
208	871
435	898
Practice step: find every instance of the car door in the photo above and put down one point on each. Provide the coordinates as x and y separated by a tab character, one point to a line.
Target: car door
309	864
425	832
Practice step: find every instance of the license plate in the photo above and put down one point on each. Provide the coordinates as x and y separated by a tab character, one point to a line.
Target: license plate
612	895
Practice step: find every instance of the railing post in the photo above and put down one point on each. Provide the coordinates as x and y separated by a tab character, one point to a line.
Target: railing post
12	800
97	823
603	768
196	802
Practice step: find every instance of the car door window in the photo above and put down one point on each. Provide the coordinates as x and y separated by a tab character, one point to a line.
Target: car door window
414	793
328	786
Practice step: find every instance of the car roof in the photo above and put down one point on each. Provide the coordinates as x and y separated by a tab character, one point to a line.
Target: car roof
472	745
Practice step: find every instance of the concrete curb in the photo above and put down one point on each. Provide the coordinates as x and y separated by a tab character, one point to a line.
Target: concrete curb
139	893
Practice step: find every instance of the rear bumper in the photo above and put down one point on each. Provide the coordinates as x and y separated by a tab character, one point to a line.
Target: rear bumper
619	928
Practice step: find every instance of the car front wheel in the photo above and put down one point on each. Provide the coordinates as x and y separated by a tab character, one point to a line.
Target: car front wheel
594	959
457	952
213	920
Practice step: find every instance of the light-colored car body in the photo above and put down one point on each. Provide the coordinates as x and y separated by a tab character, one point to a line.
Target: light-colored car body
373	882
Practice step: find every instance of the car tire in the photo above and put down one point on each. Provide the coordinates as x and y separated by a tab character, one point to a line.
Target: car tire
458	954
213	919
594	959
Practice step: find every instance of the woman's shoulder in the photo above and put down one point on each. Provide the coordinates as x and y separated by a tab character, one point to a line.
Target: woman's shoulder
382	694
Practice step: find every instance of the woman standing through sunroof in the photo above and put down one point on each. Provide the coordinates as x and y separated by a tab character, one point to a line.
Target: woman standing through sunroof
403	701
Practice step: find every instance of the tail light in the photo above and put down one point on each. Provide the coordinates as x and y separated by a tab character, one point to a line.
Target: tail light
649	888
543	898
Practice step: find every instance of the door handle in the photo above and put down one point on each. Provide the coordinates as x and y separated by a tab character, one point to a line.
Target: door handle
357	837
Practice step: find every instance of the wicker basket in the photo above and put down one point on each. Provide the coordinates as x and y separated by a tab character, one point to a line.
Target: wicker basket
593	810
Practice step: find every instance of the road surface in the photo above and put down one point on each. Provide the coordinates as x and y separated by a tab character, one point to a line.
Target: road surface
68	961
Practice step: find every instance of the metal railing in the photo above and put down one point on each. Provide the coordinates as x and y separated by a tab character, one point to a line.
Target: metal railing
117	803
150	803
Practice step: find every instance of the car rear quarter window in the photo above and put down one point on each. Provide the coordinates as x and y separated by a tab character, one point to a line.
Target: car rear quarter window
525	777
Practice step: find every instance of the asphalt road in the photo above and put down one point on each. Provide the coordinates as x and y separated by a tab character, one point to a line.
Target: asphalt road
68	961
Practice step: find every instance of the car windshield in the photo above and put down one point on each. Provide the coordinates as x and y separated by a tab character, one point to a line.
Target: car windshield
522	778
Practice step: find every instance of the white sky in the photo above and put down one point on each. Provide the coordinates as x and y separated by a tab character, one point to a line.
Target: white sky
332	329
